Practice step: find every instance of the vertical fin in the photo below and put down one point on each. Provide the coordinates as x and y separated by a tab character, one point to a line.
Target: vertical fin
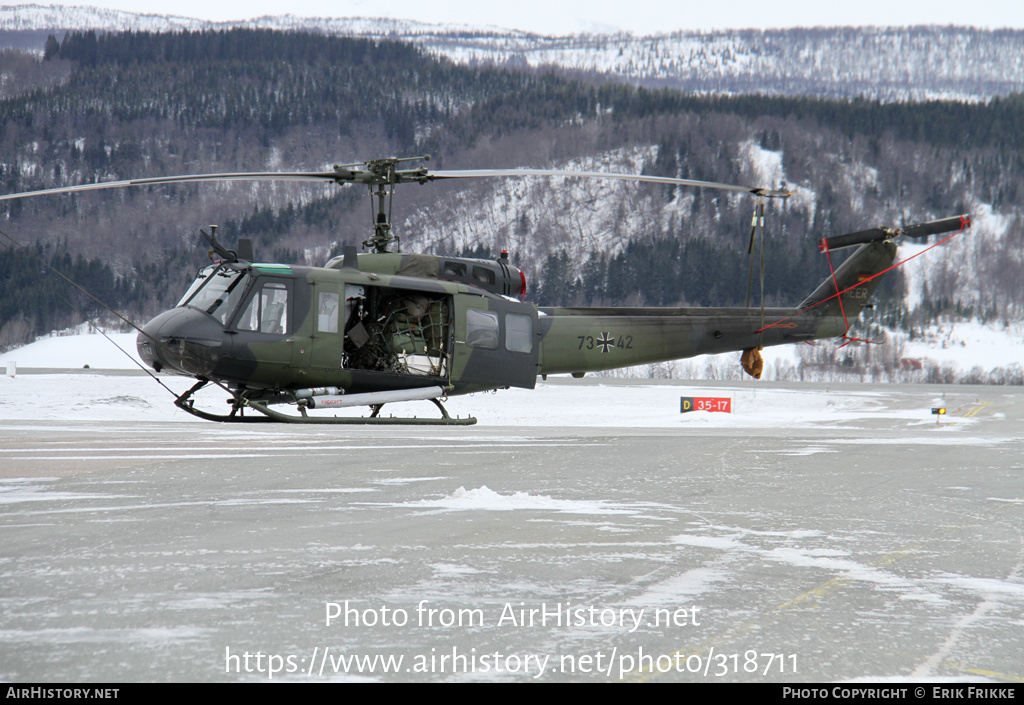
867	261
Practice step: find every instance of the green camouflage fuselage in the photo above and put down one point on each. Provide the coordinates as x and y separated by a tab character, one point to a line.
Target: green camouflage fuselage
402	322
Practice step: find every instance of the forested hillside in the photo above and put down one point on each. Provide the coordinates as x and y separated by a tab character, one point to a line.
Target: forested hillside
894	64
116	106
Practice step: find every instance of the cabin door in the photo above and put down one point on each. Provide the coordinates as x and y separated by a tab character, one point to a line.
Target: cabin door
497	342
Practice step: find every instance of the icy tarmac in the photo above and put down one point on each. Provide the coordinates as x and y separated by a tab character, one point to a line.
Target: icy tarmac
585	531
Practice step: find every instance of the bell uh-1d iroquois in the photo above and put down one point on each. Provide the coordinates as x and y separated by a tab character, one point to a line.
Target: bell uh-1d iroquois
377	327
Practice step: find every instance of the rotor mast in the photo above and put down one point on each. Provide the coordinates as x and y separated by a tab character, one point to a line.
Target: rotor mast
382	177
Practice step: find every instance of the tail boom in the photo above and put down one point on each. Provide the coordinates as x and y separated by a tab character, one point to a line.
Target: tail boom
589	340
576	340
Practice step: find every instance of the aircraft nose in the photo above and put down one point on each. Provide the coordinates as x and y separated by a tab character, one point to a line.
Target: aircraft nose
183	341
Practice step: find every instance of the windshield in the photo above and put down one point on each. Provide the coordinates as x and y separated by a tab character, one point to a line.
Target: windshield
216	291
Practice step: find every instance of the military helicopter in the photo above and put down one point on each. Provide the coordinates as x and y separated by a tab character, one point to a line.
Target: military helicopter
377	327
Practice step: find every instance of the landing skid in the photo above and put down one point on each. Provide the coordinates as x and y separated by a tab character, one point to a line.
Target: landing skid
240	404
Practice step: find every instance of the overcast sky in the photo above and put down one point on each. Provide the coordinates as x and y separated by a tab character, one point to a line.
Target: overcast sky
638	16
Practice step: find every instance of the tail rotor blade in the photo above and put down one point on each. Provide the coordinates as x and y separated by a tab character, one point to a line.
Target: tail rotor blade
858	238
933	227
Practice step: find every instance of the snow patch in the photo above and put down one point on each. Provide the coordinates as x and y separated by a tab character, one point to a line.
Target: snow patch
485	499
681	588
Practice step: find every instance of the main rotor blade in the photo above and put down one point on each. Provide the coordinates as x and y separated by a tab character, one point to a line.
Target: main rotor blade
478	173
341	176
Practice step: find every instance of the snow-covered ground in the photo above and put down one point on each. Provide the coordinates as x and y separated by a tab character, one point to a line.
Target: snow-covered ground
843	528
113	351
969	344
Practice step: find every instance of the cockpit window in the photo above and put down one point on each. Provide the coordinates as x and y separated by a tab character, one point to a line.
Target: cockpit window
216	291
267	310
200	279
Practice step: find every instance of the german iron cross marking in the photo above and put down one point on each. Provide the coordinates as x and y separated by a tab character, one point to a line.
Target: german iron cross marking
605	342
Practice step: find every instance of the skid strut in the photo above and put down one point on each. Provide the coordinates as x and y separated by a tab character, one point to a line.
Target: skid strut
240	403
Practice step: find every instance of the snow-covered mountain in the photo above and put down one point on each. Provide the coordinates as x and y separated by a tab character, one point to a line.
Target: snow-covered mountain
889	63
